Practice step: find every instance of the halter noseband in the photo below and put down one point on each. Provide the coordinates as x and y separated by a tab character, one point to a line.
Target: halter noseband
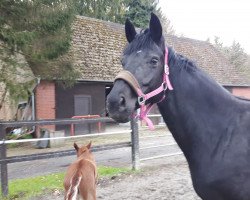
144	109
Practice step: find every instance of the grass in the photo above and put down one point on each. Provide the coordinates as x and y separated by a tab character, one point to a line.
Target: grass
23	189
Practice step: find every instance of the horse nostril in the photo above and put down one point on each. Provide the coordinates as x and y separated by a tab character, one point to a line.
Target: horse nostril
122	101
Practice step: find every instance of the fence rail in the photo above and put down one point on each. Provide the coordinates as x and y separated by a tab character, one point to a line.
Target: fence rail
15	159
67	137
43	122
159	146
161	156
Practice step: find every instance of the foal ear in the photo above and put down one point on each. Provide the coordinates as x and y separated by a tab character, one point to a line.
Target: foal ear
129	30
155	28
76	146
89	145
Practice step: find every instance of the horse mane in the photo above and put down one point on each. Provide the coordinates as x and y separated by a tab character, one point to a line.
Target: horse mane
242	98
189	66
181	61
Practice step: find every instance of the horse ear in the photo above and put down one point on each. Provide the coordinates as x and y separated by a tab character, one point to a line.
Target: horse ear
89	145
129	30
76	146
155	28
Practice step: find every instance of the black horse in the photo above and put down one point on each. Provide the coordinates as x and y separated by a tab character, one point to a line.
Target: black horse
210	125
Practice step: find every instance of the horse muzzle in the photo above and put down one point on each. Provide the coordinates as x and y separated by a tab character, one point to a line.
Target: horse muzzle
121	102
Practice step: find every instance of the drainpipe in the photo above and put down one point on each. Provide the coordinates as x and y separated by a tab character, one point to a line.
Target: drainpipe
33	106
33	116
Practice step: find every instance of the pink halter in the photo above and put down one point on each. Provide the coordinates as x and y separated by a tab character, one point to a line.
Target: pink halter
144	109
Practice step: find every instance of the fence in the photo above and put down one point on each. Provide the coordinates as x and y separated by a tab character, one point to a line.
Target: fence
159	146
72	129
4	160
134	144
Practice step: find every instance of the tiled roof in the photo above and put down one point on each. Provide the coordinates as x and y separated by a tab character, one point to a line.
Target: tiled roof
97	46
210	60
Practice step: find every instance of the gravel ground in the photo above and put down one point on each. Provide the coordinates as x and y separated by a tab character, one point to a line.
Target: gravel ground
167	181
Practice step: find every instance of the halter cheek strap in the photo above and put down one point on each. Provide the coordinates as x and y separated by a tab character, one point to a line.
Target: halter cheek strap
144	109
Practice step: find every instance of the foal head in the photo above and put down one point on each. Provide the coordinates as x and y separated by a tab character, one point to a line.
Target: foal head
82	151
144	58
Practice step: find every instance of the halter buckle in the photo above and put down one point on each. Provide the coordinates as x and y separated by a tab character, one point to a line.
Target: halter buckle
166	69
141	100
165	86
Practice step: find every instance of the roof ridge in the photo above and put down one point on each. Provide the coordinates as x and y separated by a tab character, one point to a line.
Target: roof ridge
187	38
99	20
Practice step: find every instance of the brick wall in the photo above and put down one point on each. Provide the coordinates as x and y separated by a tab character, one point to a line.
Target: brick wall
241	92
45	102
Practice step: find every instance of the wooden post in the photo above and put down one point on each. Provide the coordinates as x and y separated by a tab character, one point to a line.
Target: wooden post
4	169
135	144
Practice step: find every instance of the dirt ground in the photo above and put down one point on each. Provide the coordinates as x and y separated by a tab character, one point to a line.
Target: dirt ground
169	180
165	178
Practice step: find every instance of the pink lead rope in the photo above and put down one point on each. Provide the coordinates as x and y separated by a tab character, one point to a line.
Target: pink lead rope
144	109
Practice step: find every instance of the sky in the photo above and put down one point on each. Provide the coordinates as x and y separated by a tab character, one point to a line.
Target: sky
200	19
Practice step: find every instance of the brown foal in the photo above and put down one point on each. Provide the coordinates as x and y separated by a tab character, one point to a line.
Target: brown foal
81	175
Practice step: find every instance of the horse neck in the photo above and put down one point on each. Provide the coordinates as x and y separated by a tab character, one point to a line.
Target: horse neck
194	107
87	156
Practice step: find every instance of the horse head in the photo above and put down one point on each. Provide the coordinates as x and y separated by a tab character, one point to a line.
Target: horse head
84	150
143	58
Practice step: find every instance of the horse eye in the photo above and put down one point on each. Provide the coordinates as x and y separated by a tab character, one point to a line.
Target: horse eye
154	61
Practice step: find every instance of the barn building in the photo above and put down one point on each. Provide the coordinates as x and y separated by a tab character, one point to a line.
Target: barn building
95	53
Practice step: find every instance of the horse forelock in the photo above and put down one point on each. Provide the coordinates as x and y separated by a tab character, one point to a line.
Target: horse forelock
143	41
